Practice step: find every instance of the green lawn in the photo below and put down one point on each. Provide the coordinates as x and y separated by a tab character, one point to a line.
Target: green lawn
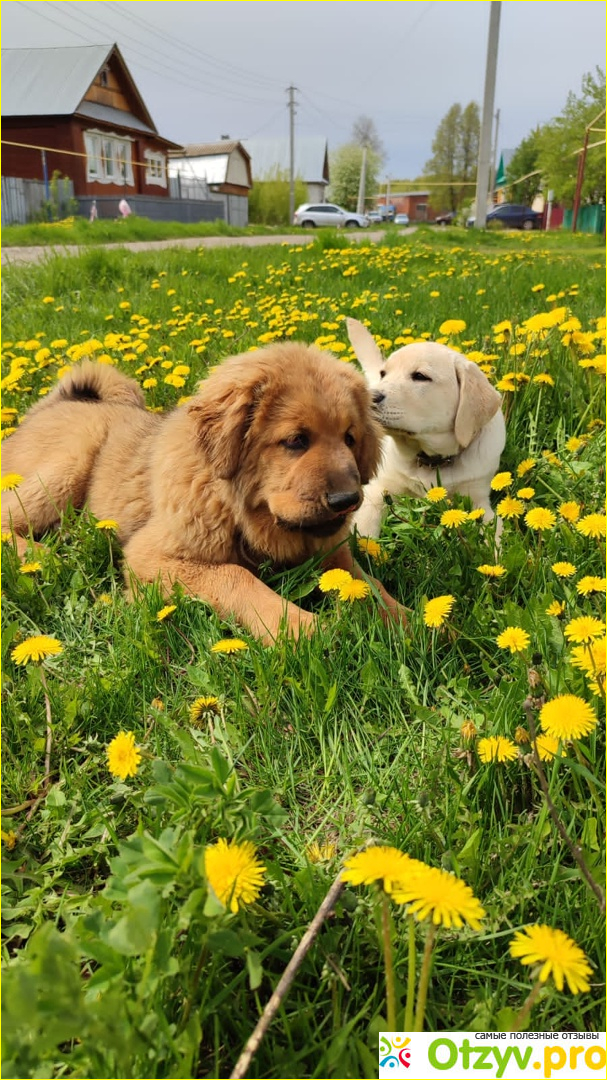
118	959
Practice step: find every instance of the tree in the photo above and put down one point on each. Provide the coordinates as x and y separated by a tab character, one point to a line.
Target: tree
523	176
563	136
452	167
364	133
346	164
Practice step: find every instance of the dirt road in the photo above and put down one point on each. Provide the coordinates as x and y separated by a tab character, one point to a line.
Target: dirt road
15	255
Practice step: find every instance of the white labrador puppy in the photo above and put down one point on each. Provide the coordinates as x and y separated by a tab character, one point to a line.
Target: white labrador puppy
443	424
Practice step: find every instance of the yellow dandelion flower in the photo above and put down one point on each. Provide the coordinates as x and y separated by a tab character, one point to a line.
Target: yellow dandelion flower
165	612
496	748
30	567
570	511
540	519
590	658
591	525
10	481
521	736
354	590
567	717
543	379
234	873
584	629
229	645
556	608
492	570
525	493
538	287
6	537
201	707
589	584
437	610
468	730
318	853
440	895
435	494
371	548
333	580
107	525
513	638
453	518
476	514
510	508
557	954
574	443
36	649
452	326
501	480
525	467
547	747
563	569
379	863
123	756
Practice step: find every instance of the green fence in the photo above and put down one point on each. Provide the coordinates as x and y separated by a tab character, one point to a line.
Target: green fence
590	219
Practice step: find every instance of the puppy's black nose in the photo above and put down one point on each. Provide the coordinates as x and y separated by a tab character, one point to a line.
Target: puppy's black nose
342	501
378	397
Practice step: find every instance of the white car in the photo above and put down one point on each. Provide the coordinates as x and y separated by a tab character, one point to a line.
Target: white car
310	215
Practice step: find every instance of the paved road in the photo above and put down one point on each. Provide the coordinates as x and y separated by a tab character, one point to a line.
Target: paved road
15	255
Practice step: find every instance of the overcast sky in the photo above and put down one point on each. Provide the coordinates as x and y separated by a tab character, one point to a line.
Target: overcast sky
208	69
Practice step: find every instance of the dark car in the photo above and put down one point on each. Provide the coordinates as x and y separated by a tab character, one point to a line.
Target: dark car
513	216
445	219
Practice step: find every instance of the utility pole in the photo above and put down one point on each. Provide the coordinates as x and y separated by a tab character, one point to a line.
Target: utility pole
493	172
291	107
484	151
362	183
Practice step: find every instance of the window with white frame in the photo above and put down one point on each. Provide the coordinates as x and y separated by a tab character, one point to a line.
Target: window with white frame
108	158
156	171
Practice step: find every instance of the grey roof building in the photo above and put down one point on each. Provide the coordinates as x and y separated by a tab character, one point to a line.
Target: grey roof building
270	158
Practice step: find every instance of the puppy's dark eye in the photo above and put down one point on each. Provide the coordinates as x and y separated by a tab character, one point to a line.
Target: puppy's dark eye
418	376
349	439
381	374
297	442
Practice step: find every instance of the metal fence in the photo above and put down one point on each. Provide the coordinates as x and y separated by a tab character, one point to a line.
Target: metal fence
155	207
591	218
33	200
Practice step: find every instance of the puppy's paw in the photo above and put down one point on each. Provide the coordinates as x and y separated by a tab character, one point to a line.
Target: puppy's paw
393	612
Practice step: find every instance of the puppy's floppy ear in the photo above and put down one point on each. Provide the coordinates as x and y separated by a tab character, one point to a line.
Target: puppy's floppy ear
222	412
367	352
368	450
478	401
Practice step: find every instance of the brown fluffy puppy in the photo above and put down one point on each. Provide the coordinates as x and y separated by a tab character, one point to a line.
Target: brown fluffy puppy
265	463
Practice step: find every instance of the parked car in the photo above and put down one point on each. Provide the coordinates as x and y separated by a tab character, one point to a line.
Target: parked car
309	216
401	219
512	216
446	219
375	217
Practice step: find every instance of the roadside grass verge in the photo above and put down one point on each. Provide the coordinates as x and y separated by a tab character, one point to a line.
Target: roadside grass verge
119	960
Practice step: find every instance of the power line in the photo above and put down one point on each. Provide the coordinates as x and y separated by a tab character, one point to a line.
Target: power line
195	84
235	72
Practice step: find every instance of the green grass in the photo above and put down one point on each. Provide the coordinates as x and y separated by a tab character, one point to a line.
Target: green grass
78	230
117	961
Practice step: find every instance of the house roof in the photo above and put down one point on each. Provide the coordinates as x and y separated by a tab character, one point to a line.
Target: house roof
271	156
54	81
502	168
224	146
49	82
108	115
212	167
